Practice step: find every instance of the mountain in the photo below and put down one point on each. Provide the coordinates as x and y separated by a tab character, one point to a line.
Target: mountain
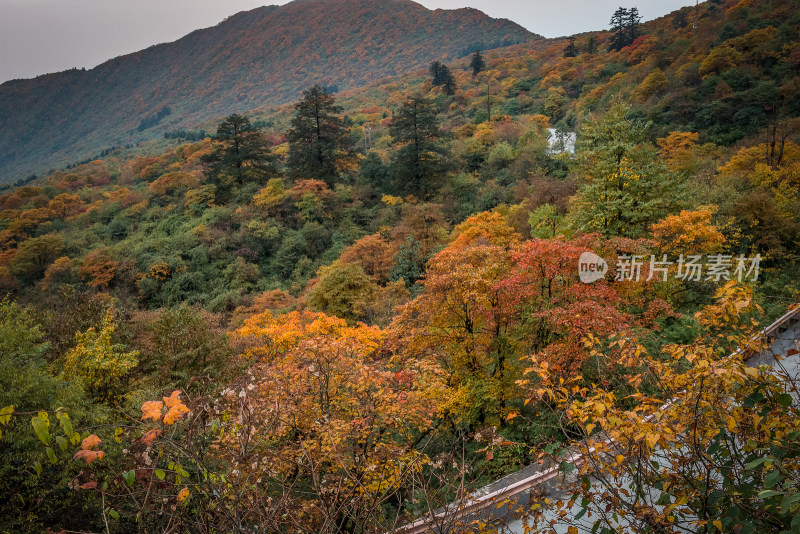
261	57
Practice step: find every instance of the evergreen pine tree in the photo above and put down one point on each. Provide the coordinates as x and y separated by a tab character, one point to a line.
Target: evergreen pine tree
241	154
477	64
442	77
632	26
317	142
618	27
571	50
437	72
418	162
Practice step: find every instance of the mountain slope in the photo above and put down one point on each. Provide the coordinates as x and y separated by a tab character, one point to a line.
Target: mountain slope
255	58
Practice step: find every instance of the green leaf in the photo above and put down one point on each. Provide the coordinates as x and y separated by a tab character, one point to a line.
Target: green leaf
160	474
51	455
41	426
75	438
567	467
113	514
37	467
788	501
66	424
785	400
772	478
5	414
766	494
755	463
753	399
130	477
62	443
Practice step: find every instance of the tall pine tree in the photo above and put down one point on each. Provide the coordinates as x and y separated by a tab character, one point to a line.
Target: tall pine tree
317	141
571	50
241	154
418	163
618	39
477	64
625	25
442	77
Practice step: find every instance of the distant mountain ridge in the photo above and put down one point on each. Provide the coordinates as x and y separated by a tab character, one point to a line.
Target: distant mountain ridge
255	58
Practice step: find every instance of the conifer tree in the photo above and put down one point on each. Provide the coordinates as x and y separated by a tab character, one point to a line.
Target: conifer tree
241	154
442	77
571	50
477	64
632	26
626	187
317	142
418	161
618	21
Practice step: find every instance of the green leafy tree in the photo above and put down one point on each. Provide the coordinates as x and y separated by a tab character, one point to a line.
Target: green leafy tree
626	186
185	347
374	172
418	163
317	141
35	255
99	362
27	386
591	45
241	154
342	290
409	263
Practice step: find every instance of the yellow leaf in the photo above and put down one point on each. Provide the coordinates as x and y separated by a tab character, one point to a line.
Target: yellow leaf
718	524
731	424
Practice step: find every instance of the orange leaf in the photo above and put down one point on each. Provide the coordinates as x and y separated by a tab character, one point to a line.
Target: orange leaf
175	413
89	456
89	485
183	494
173	399
90	442
151	435
152	410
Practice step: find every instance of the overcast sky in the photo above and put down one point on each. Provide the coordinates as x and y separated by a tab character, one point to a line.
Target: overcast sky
42	36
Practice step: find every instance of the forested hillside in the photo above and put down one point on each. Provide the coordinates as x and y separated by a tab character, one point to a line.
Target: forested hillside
264	56
339	314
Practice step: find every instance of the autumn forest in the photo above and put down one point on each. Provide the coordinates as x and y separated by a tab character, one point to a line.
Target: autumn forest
345	311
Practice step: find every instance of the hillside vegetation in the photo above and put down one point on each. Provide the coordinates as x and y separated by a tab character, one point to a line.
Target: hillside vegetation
341	313
258	57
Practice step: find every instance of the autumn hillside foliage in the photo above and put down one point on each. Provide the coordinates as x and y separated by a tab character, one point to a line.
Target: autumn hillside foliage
344	313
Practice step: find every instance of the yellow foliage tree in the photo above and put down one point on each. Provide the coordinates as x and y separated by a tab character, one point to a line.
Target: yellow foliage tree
97	361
